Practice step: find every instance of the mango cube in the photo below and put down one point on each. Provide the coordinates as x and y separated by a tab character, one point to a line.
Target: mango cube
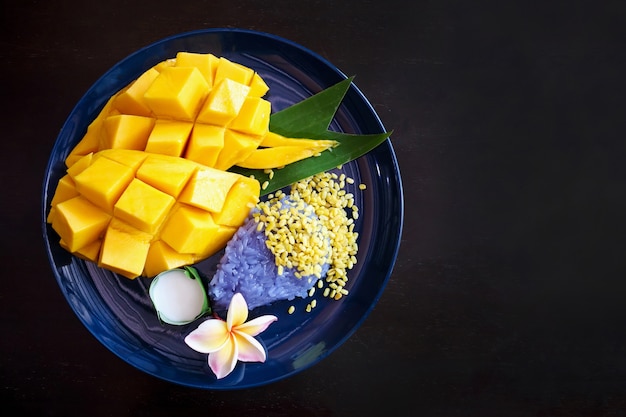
143	206
131	100
165	64
206	63
207	189
162	257
168	137
129	158
79	165
169	175
253	117
237	147
233	71
126	131
205	144
258	87
78	222
223	103
90	252
124	249
65	190
242	196
218	240
103	182
188	229
177	93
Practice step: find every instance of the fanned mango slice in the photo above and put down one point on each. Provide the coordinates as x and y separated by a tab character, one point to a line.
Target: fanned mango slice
275	147
197	106
272	139
266	158
137	213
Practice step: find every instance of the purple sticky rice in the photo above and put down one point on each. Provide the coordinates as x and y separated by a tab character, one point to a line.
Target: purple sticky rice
248	267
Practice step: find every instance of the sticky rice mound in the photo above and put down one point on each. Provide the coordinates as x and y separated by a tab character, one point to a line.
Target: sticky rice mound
249	267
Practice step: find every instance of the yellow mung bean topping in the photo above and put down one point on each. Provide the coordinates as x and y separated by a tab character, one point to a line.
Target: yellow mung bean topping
315	226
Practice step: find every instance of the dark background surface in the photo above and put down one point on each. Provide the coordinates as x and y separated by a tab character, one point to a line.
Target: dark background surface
508	295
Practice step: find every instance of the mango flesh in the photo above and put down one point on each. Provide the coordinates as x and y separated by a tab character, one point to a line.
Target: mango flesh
196	106
146	188
178	107
139	214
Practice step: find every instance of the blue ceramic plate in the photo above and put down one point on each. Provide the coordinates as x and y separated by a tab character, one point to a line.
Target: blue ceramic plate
118	311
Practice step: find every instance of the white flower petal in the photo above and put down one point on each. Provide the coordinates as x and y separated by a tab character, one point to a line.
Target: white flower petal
237	311
209	337
223	361
249	349
257	325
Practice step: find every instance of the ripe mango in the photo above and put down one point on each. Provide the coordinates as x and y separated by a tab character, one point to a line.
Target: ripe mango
139	214
275	147
170	108
196	106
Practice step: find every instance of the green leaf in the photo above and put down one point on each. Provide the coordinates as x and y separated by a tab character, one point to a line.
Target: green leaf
310	119
311	116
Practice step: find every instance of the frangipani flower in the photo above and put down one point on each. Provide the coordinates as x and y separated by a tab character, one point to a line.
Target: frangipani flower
228	341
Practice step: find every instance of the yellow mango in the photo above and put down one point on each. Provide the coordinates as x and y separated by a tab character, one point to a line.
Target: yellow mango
206	63
233	71
131	100
258	87
188	229
91	141
268	158
205	109
50	216
237	147
79	222
162	257
272	139
253	117
80	165
177	93
66	189
219	239
223	103
103	182
124	249
168	137
169	175
126	131
241	198
207	189
127	157
143	206
165	64
89	252
205	144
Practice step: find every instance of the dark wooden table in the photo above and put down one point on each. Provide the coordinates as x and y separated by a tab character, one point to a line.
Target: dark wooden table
508	295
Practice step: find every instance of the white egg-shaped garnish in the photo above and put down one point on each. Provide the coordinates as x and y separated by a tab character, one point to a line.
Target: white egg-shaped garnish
178	296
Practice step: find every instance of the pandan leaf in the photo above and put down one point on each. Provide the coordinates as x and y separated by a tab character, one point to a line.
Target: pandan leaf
312	115
310	119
